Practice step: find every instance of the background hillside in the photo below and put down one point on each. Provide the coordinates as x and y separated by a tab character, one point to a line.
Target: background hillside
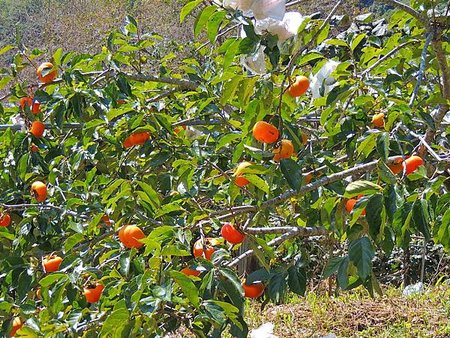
82	25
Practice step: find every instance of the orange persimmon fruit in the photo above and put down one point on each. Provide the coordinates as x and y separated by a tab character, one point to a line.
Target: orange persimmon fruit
299	86
265	132
46	72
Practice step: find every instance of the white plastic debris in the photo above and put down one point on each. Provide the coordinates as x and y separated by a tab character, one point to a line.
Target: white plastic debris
283	29
243	5
17	119
413	289
255	63
263	9
264	331
324	79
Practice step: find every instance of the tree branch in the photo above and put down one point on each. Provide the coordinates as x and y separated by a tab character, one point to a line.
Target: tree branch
411	11
388	55
41	206
443	108
357	170
293	232
184	84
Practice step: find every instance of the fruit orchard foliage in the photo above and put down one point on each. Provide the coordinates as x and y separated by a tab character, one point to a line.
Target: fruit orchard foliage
178	185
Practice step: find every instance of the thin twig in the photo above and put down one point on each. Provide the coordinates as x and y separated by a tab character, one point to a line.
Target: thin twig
385	57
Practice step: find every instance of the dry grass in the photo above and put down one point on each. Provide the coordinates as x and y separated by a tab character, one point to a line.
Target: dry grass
355	314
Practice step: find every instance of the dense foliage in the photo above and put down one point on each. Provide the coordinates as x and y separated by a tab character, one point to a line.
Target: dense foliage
125	145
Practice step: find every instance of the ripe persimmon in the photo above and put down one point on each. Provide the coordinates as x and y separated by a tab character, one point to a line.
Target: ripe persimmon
304	139
39	191
240	180
231	234
307	178
130	235
106	220
178	129
207	251
285	150
253	290
5	219
350	204
378	120
16	326
34	148
25	101
397	165
51	263
412	163
46	72
190	272
36	107
299	86
93	293
134	139
37	129
265	132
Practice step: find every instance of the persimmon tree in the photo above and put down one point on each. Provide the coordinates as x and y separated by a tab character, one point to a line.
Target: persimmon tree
138	159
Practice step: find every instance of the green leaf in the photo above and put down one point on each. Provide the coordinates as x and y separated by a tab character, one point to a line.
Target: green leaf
57	55
188	8
232	286
356	41
421	217
258	182
361	188
383	145
52	278
214	23
386	174
373	214
115	323
323	34
6	48
292	172
332	266
361	254
72	241
367	145
297	278
168	208
229	89
151	193
187	286
203	19
277	286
